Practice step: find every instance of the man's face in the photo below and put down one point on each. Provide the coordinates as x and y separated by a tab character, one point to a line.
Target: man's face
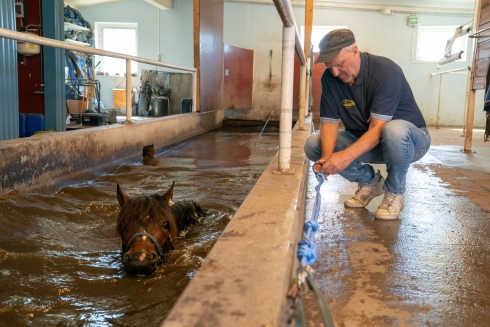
345	66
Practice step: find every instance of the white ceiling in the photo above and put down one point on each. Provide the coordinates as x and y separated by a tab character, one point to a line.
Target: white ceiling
461	6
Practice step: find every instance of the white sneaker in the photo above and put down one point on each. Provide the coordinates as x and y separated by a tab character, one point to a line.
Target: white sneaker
390	207
365	193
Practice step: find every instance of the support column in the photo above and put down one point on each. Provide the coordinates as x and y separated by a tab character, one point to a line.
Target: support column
54	67
129	105
471	93
307	50
287	82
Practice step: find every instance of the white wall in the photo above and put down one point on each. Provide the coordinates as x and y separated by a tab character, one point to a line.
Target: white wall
258	27
176	36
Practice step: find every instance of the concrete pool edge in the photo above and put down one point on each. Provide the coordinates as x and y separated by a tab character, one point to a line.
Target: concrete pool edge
244	279
51	158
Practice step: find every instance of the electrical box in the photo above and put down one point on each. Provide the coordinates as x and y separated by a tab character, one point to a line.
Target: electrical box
19	9
413	20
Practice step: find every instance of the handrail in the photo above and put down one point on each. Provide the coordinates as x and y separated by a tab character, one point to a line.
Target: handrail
35	39
290	44
451	71
285	11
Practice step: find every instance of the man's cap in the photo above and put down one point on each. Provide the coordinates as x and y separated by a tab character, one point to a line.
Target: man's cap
333	42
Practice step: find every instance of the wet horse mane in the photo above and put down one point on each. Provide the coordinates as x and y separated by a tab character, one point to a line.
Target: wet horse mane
144	211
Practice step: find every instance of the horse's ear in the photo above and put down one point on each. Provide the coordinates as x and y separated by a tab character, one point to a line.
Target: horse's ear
122	198
169	194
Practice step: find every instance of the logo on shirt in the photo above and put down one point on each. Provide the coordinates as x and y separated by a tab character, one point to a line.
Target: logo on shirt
348	103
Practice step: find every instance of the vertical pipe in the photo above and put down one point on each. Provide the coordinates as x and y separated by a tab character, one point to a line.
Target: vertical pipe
194	91
196	103
287	79
439	102
129	106
309	73
470	112
302	94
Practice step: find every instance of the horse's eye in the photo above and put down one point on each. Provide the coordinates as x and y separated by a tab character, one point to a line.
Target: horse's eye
167	226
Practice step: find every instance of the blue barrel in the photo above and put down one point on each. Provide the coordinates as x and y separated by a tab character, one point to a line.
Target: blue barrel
22	125
35	123
186	106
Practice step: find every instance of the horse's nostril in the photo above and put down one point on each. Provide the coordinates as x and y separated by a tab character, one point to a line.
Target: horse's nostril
151	256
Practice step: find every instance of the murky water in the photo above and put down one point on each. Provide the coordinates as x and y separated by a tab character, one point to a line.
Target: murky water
60	254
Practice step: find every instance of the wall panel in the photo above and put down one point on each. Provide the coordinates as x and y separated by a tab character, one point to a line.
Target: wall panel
211	54
9	103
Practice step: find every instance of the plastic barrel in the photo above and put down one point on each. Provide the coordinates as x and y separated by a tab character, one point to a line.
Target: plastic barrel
159	107
22	125
35	123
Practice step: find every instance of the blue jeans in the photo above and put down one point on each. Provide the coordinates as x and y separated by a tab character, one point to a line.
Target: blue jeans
401	144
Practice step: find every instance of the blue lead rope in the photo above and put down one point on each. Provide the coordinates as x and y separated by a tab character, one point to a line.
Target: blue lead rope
306	247
307	257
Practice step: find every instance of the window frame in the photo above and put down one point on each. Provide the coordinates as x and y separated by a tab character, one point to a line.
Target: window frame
99	43
418	30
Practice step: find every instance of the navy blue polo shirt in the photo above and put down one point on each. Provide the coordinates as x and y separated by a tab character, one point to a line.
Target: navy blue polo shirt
381	92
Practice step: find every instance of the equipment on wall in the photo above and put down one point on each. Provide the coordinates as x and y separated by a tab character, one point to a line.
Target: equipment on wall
448	57
19	9
28	49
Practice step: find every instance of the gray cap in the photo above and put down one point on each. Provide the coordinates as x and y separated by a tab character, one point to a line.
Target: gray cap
333	42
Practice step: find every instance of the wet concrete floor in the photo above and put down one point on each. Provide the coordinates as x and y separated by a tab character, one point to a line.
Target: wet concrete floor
60	262
431	267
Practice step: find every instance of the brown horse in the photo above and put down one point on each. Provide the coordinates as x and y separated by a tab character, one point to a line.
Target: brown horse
147	224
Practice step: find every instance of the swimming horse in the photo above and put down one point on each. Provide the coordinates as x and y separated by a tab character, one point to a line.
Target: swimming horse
148	224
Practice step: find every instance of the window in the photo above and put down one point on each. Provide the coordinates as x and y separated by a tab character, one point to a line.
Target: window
116	37
431	42
317	33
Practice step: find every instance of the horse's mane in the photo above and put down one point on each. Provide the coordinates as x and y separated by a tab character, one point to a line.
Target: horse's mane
187	213
143	211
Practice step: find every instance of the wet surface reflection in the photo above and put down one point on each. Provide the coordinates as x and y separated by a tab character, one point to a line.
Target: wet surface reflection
429	268
60	254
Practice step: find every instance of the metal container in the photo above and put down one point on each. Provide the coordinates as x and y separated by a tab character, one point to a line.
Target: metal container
160	106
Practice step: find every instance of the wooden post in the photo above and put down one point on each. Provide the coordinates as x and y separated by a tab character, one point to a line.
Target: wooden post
307	49
197	55
470	112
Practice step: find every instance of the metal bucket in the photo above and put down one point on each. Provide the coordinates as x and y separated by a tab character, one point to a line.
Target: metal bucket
160	106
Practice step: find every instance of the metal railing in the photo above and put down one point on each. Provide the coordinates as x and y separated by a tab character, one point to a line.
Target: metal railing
35	39
468	69
290	44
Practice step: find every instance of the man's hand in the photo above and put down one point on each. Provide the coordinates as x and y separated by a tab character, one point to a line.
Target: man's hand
337	162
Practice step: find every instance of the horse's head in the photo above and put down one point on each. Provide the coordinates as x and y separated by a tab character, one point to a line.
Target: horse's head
146	225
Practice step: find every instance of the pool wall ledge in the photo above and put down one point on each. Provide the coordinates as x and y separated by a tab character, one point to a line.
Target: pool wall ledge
49	159
244	279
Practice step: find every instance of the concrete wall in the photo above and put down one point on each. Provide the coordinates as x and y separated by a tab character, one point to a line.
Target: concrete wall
48	160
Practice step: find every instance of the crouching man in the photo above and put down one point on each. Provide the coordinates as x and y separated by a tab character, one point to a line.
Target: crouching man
383	124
